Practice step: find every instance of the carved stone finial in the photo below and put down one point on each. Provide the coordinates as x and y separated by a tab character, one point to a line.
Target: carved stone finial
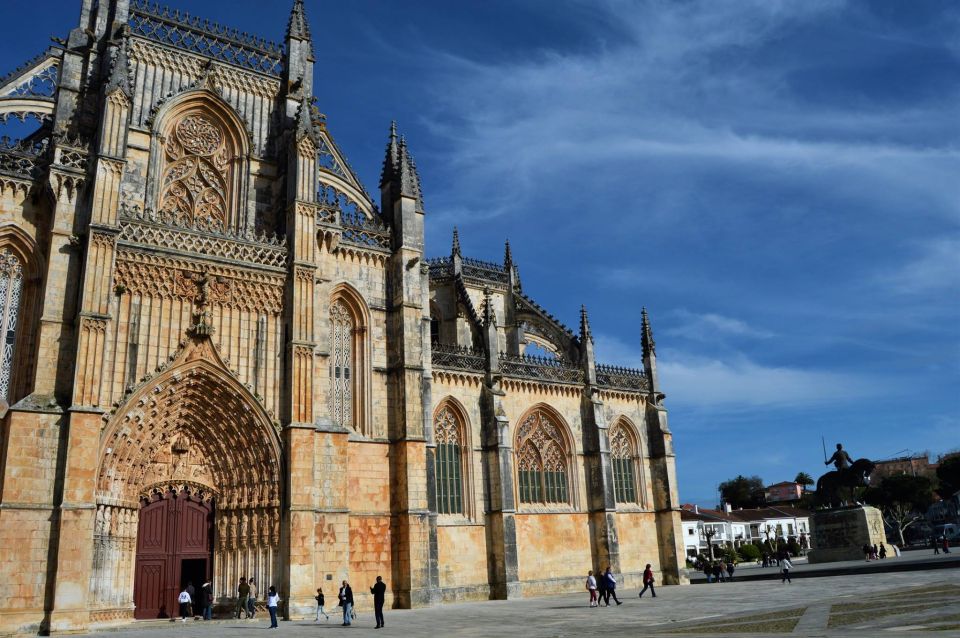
489	315
455	251
120	71
202	326
298	26
391	158
507	254
646	334
585	333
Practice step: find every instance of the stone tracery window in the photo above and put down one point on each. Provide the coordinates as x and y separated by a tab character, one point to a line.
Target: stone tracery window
542	461
449	435
11	286
341	364
195	186
623	456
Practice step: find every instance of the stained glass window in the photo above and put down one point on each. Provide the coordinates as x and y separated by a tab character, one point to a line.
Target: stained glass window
11	285
341	365
542	461
623	456
448	432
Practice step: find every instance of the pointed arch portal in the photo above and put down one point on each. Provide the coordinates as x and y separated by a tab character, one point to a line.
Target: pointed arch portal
188	487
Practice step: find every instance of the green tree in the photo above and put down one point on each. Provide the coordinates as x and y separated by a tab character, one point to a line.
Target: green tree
948	475
803	479
902	500
743	491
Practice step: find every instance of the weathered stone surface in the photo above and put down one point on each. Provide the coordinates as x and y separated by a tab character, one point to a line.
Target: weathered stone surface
839	534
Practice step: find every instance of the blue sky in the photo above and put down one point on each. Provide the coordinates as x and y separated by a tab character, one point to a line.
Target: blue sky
778	182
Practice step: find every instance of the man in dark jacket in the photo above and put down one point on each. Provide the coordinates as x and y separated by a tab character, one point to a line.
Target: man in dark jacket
603	594
243	592
345	596
206	600
378	590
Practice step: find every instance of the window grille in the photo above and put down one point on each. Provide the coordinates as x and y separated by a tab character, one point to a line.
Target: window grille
341	364
448	432
623	456
542	465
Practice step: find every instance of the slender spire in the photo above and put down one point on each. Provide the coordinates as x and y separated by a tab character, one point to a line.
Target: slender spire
507	255
298	27
456	243
646	334
391	159
585	333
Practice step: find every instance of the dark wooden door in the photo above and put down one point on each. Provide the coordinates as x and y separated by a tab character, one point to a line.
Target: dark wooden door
172	529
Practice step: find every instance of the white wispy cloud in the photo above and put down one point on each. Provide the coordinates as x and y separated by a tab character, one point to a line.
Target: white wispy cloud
711	326
696	382
935	267
552	119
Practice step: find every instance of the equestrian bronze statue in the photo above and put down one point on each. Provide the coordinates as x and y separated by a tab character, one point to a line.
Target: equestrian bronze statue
835	488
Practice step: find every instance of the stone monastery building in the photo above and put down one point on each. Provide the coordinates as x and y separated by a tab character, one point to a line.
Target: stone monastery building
222	357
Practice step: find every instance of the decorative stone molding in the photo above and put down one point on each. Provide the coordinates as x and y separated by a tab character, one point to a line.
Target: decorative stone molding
156	276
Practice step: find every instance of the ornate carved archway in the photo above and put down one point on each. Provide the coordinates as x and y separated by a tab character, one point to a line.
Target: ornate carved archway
192	428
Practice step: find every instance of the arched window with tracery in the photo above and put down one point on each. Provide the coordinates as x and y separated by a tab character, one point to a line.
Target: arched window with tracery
195	186
623	454
542	461
450	439
341	364
11	287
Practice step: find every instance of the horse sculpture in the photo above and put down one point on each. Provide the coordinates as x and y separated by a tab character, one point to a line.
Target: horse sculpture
835	488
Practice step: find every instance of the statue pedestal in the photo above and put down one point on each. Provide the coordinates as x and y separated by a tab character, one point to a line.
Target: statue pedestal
839	534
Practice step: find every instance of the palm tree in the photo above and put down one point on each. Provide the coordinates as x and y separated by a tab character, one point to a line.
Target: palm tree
803	479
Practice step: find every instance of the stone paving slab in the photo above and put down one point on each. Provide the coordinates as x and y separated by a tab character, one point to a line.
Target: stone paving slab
803	607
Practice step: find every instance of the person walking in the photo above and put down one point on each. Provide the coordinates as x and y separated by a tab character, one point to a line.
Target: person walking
708	571
379	591
184	600
866	552
252	599
883	551
648	582
206	600
785	567
273	599
345	596
243	592
592	588
193	597
612	587
946	545
730	567
320	611
602	595
717	572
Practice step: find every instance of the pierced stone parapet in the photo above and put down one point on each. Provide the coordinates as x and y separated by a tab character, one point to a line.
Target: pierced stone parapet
540	368
630	379
474	270
181	30
22	158
361	230
158	228
452	357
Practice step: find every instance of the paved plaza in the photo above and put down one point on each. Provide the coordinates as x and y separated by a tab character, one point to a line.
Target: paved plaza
906	603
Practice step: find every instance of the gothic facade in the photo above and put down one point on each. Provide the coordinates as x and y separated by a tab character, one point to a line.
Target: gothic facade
222	357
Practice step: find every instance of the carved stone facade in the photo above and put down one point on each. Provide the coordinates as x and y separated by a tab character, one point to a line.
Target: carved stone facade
222	358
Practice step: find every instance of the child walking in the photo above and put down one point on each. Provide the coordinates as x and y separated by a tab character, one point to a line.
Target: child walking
320	611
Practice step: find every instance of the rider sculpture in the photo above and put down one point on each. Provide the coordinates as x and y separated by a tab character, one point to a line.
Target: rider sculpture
836	488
